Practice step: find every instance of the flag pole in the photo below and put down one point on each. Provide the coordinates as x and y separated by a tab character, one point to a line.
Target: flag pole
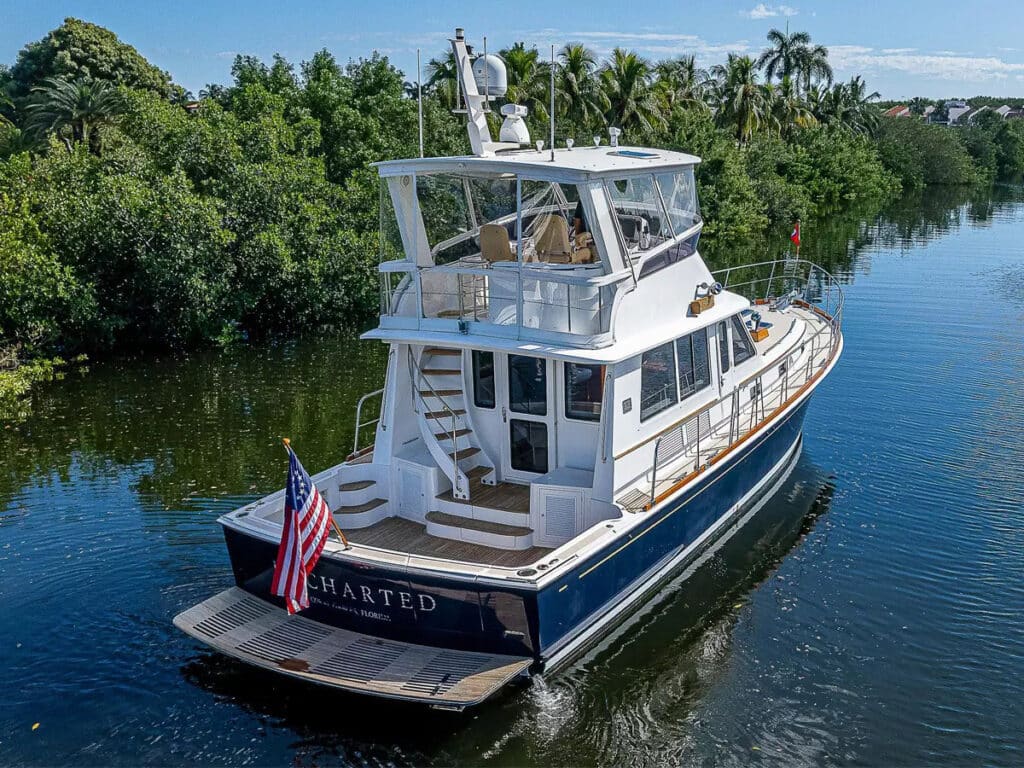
337	530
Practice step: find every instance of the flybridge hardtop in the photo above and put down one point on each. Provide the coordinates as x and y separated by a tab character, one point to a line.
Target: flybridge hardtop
570	165
574	407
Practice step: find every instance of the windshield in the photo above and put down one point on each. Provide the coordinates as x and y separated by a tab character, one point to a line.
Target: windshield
473	219
680	195
639	213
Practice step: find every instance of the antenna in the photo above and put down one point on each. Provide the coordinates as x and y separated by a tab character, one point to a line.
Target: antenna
419	98
552	102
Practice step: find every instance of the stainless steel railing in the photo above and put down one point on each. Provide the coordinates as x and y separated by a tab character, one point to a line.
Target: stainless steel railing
359	416
789	279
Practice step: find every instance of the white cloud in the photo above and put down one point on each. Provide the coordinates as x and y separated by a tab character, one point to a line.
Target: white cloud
899	50
652	44
942	65
763	11
226	54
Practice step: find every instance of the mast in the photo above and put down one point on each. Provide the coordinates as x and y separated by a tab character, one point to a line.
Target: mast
476	103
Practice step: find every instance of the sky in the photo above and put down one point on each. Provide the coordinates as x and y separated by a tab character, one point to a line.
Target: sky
903	48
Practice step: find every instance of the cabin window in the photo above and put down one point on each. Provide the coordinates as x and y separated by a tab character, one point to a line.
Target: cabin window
528	385
483	379
694	366
723	346
742	346
584	385
529	446
657	380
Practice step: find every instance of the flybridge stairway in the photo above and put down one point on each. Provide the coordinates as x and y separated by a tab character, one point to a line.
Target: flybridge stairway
443	421
445	480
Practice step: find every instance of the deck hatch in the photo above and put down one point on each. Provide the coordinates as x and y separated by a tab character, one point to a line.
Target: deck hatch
252	630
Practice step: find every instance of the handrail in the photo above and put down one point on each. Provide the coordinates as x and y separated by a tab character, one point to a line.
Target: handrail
359	410
606	416
654	470
420	378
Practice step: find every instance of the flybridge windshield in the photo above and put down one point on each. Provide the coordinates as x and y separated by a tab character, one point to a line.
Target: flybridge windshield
476	218
657	217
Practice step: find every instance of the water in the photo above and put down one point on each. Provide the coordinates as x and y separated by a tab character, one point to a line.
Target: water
872	613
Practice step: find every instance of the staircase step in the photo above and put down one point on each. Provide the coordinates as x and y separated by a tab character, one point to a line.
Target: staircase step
357	508
443	351
484	526
480	471
443	414
465	454
442	372
448	435
358	485
440	392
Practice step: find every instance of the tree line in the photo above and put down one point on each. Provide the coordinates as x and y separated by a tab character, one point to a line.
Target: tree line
134	216
788	87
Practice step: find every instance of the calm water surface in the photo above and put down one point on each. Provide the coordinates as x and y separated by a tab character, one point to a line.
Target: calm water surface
871	614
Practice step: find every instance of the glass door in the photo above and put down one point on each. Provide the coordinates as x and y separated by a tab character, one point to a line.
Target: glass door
528	415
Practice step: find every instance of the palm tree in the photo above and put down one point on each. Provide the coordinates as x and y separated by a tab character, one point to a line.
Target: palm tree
846	104
787	109
860	114
528	79
578	96
443	80
632	103
784	55
741	101
681	81
813	65
5	101
73	110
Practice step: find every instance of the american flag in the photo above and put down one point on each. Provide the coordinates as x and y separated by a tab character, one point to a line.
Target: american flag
307	521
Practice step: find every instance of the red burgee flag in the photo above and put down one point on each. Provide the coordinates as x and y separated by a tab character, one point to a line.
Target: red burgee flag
795	237
307	521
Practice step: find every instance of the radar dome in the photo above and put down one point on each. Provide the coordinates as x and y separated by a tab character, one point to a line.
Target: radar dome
490	75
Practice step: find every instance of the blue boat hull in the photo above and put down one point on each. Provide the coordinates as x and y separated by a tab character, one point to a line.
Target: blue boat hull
544	624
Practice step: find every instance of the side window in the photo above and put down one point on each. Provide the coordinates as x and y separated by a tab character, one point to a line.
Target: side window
584	385
723	346
694	365
657	380
742	346
483	379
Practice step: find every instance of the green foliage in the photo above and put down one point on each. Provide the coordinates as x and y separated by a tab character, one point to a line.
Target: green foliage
919	153
78	49
255	212
18	377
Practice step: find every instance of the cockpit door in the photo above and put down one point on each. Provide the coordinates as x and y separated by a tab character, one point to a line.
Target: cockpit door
526	395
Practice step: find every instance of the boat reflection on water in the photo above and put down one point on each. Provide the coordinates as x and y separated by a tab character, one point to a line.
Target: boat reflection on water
665	656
